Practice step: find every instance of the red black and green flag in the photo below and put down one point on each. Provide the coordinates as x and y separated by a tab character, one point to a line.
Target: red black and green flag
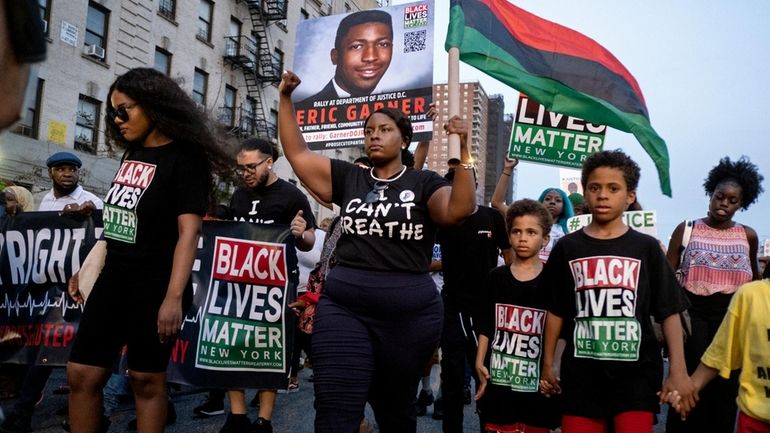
558	67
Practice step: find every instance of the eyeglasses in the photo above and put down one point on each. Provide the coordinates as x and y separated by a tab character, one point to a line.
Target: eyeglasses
249	168
376	193
120	112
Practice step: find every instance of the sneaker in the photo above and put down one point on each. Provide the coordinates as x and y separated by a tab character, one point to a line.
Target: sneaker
438	409
261	425
15	423
236	424
210	407
423	401
170	418
467	395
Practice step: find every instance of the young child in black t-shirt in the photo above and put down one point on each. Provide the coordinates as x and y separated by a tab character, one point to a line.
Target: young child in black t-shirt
606	280
512	321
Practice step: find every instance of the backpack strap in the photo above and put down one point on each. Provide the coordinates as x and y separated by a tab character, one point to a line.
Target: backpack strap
686	238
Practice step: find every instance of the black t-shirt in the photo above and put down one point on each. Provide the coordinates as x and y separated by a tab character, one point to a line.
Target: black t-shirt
468	252
392	234
513	318
153	186
605	290
277	203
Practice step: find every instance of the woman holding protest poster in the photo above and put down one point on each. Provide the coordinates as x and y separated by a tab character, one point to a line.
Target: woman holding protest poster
714	256
152	219
379	317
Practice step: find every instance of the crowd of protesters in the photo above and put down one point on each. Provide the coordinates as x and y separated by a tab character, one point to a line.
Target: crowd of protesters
555	329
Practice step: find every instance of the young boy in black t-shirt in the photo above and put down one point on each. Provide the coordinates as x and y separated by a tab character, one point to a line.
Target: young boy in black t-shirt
606	280
512	320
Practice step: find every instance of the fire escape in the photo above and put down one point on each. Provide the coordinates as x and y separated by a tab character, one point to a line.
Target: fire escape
260	65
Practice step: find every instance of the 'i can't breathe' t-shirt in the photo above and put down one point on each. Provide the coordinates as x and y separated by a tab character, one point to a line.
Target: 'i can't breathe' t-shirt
394	233
153	186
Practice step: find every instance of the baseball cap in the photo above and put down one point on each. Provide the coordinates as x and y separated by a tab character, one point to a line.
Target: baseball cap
59	158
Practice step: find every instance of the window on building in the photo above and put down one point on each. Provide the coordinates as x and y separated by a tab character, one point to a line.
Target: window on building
45	13
304	13
228	110
278	61
96	26
235	27
247	115
29	124
162	61
233	37
205	12
273	127
87	124
167	8
200	84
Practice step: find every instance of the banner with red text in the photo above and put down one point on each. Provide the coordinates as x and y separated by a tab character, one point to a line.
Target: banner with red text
353	64
238	334
39	251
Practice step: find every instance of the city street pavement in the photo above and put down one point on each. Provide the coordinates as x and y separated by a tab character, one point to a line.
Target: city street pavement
293	414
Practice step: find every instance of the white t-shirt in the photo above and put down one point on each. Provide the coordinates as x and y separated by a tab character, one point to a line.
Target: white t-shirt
308	259
78	196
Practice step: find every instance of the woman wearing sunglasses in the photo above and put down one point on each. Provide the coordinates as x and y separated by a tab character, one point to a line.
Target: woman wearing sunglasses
152	219
379	318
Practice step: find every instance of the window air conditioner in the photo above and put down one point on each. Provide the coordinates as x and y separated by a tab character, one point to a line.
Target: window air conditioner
94	51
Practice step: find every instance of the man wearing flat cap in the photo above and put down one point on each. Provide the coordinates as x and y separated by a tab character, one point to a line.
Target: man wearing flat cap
66	194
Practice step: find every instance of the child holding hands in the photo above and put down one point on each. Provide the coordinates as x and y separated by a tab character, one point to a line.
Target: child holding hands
513	320
742	342
606	280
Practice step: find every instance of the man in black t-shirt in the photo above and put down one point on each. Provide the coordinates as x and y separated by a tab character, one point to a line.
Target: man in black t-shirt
468	252
266	199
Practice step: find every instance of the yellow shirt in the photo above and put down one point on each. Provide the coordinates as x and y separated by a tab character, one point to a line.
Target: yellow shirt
743	341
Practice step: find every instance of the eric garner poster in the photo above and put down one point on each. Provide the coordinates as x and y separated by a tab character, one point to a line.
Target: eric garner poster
39	252
238	324
353	64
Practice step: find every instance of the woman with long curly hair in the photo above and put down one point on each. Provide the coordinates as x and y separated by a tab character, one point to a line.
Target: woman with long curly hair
714	256
152	219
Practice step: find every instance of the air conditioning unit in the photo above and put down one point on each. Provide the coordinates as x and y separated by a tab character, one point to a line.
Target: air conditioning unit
45	27
94	51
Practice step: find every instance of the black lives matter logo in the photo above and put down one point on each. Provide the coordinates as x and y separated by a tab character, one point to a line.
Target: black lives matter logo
119	215
605	297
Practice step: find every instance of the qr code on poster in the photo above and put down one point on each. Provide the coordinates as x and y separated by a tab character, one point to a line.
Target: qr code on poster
415	41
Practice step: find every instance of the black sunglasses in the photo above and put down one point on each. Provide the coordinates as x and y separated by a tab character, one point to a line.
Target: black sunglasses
376	193
120	112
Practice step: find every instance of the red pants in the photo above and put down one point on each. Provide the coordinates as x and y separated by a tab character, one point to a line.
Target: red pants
626	422
747	424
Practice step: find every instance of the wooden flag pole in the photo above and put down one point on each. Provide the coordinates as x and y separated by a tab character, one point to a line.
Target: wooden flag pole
454	102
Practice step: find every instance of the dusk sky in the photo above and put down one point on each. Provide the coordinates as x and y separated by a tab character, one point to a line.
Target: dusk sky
703	67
